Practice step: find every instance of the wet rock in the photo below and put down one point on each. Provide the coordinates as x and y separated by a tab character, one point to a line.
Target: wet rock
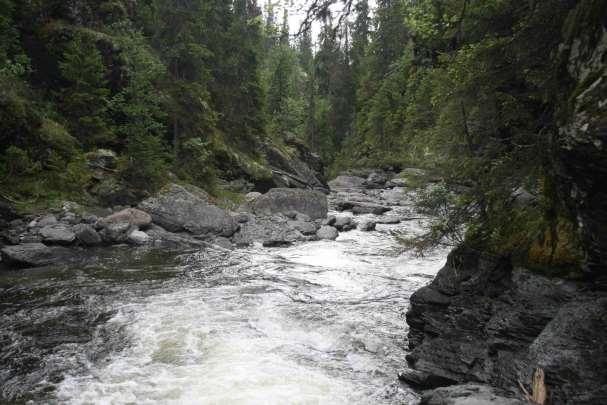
59	234
303	217
330	220
367	226
47	220
398	182
346	182
274	228
273	243
376	180
223	243
180	209
138	238
482	320
160	237
468	394
389	221
327	233
242	218
87	235
306	228
344	223
34	255
117	232
133	216
284	200
252	196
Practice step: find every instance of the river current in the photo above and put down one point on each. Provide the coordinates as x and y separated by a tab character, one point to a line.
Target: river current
316	323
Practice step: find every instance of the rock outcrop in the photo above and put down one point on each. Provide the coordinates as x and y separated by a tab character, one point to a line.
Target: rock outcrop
287	200
179	209
483	321
35	255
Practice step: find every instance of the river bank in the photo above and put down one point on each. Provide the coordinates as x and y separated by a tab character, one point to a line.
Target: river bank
310	322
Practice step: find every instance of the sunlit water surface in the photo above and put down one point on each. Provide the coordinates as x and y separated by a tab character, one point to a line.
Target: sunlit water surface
316	323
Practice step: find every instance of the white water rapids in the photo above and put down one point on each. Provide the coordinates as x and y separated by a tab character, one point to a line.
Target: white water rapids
316	323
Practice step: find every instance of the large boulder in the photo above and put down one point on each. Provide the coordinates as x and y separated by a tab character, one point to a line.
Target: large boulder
133	216
271	231
468	394
286	200
180	209
346	182
376	180
59	234
87	235
34	255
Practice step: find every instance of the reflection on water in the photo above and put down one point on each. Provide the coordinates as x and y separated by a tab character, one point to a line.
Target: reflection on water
316	323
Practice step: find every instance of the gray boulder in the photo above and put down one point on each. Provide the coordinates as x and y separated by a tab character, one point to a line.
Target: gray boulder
330	220
34	255
252	195
47	220
346	182
306	228
272	231
180	209
117	232
87	235
59	234
133	216
376	180
344	223
327	232
284	200
223	243
138	238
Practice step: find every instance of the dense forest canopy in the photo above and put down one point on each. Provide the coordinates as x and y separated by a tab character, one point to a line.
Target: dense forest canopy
476	91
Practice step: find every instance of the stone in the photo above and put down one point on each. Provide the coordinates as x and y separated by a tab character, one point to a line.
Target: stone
389	221
344	223
367	226
327	233
180	209
133	216
87	235
223	243
252	196
269	229
284	200
330	220
398	182
306	228
241	218
376	180
303	217
34	255
346	182
359	207
70	218
59	234
138	238
47	220
116	232
272	243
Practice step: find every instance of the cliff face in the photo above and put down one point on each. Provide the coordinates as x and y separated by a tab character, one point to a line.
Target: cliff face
483	321
581	144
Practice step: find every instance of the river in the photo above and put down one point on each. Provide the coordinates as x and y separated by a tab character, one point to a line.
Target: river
316	323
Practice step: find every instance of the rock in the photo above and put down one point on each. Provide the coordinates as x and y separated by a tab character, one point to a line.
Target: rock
70	218
306	228
87	235
362	208
272	229
367	226
482	320
138	238
133	216
34	255
59	234
272	243
160	237
398	182
252	196
283	200
303	217
47	220
344	223
327	233
90	219
468	394
223	243
389	221
412	172
102	159
180	209
116	232
376	180
242	218
346	182
330	220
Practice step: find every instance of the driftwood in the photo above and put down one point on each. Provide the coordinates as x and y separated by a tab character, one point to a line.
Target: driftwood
538	388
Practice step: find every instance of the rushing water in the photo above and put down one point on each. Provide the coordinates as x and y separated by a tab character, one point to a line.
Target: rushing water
316	323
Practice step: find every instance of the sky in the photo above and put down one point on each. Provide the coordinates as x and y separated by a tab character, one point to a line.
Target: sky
297	12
